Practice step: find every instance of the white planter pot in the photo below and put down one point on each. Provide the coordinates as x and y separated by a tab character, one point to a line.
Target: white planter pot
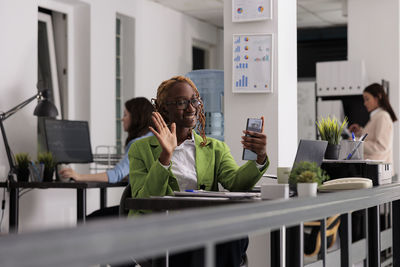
307	189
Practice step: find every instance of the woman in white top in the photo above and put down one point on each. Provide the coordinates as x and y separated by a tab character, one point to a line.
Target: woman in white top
378	144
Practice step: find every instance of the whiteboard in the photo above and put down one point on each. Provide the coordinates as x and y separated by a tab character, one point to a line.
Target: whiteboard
252	63
251	10
306	105
306	110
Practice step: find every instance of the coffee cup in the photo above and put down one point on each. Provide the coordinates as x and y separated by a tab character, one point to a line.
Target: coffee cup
283	175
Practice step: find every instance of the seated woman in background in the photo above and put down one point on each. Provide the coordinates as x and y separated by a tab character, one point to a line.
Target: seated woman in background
177	159
136	122
378	145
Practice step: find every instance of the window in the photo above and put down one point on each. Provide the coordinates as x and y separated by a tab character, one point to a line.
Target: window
203	55
47	67
118	88
124	72
199	59
47	76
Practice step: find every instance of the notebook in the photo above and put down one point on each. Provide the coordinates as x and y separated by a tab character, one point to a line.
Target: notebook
203	193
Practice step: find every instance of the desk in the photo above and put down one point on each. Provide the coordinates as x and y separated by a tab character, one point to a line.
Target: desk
178	203
80	195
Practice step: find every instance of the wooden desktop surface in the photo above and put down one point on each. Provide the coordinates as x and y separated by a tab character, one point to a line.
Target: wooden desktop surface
178	203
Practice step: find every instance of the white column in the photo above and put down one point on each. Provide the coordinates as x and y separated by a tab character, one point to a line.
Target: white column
279	107
373	35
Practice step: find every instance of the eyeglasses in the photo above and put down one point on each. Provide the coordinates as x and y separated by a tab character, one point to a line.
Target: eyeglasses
184	104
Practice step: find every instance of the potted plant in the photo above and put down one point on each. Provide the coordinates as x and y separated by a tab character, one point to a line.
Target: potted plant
331	130
22	168
307	184
307	176
47	159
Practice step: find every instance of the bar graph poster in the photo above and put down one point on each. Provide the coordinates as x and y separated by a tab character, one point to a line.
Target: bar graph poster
250	10
252	63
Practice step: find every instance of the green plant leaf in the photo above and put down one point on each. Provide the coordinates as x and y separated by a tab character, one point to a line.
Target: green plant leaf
330	130
22	160
47	159
305	167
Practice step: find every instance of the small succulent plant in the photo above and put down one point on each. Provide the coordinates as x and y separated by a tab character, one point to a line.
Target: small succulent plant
306	170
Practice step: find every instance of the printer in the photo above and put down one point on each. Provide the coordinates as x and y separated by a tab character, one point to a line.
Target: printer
378	171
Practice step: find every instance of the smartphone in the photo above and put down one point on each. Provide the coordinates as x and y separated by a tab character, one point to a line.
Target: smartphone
254	125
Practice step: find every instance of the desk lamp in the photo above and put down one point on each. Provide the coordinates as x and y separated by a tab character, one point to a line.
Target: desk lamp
44	108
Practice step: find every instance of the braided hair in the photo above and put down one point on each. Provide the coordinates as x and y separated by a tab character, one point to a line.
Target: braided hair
161	99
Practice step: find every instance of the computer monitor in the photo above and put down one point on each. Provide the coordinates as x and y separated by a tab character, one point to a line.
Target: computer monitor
68	141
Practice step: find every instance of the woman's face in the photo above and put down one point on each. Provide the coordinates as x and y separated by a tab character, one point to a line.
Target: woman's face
175	105
370	102
126	120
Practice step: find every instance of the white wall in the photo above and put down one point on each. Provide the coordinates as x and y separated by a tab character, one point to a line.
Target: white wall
286	78
162	49
373	35
18	75
163	40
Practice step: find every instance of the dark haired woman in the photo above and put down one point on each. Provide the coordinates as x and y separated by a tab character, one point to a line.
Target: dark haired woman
378	145
136	121
178	159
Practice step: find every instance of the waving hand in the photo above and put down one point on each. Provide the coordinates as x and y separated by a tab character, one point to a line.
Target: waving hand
166	137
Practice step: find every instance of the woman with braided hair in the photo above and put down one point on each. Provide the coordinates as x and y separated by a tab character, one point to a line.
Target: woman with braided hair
177	159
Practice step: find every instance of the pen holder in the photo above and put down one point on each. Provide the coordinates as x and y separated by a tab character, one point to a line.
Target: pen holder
347	146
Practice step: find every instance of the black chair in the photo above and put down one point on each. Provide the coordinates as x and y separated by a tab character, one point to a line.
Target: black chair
123	211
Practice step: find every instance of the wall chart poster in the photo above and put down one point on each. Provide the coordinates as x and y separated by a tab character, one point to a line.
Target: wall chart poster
252	63
249	10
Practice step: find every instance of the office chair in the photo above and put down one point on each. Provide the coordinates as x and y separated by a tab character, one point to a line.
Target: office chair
123	211
312	241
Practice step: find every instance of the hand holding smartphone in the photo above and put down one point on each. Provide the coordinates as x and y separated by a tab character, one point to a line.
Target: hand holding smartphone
255	125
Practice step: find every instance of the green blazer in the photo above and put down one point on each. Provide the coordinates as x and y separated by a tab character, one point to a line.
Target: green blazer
214	164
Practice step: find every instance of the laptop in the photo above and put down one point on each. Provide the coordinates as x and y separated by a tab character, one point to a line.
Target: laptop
310	150
307	150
